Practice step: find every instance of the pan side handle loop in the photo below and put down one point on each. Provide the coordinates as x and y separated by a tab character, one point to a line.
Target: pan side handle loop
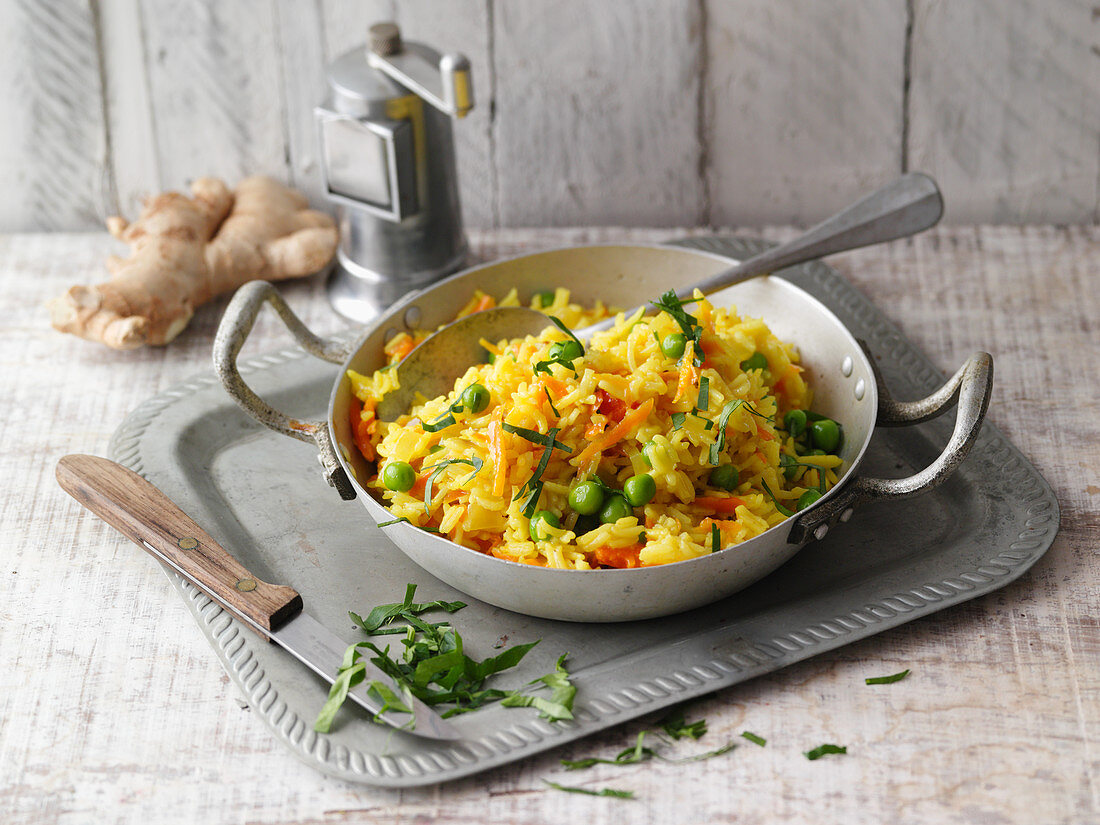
233	331
971	387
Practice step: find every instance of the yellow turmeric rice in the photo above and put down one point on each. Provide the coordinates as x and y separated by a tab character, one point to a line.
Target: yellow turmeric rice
666	437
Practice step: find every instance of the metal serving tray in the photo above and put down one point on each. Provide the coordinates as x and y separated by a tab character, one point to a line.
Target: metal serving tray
261	495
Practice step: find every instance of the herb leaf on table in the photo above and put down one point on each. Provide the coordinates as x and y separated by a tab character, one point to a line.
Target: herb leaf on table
434	667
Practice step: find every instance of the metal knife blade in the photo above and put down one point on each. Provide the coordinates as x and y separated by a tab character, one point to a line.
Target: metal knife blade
150	519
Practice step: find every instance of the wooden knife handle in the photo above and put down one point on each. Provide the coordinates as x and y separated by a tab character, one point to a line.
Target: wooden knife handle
148	517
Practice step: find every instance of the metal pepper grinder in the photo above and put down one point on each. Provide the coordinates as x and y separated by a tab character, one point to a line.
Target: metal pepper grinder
389	167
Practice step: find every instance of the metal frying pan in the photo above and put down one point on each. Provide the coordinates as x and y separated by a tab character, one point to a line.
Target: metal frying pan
843	379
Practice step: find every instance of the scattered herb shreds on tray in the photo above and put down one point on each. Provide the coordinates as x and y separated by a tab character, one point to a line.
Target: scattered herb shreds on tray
675	725
434	668
601	792
886	680
823	750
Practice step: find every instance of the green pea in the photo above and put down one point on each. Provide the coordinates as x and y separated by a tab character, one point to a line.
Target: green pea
586	498
545	299
816	451
808	498
673	345
825	434
792	471
566	351
795	422
639	490
475	398
398	476
541	518
490	358
725	477
756	361
615	508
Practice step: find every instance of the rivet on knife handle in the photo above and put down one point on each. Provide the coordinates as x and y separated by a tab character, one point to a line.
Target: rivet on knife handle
152	521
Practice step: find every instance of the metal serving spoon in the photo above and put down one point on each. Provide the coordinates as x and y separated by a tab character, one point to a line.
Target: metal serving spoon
910	204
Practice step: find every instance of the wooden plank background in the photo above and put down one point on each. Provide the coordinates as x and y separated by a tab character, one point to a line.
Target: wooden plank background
639	112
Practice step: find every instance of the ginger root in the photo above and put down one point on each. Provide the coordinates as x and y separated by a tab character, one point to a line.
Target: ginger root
184	251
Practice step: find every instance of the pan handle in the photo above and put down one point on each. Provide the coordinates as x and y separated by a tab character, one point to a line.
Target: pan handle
233	331
971	387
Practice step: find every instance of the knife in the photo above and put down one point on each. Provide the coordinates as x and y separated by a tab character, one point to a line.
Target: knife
150	519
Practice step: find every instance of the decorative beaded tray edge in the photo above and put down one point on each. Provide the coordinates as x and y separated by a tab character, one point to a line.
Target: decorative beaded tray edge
443	762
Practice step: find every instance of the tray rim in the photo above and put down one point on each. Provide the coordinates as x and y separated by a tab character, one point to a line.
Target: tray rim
439	763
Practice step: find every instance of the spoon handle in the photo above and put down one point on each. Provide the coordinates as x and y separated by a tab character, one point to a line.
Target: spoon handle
908	205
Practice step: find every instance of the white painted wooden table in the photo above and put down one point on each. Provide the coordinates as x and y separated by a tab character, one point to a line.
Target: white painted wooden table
112	708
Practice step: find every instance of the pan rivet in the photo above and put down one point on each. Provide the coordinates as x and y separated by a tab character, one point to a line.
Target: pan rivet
861	388
846	366
245	585
820	532
412	317
188	543
847	514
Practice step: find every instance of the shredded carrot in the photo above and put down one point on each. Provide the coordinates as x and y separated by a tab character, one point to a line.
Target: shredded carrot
617	433
689	375
596	426
556	387
363	426
485	302
621	557
496	450
719	504
403	348
489	346
764	434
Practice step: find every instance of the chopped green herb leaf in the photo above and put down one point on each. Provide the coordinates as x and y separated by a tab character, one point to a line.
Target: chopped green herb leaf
723	420
715	538
350	674
394	521
562	693
699	757
601	792
563	354
475	462
675	726
383	614
441	423
887	680
434	666
678	419
785	511
704	394
822	750
640	753
558	323
756	740
546	390
536	437
532	488
688	324
629	756
448	418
